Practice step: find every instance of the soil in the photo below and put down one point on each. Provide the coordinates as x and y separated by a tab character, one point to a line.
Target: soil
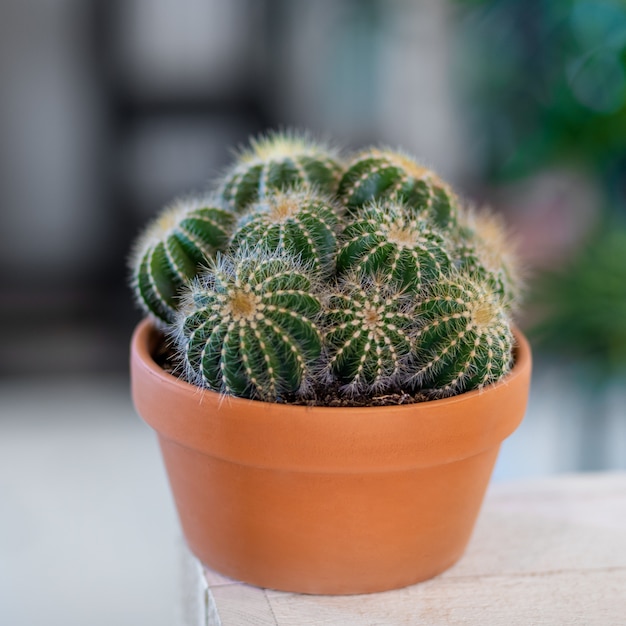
332	396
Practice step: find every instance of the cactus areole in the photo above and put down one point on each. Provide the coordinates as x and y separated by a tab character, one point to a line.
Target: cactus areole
290	313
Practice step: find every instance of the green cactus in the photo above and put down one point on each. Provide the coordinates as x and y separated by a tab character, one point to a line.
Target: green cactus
384	174
367	333
278	161
392	240
172	249
297	221
248	326
294	277
484	250
464	340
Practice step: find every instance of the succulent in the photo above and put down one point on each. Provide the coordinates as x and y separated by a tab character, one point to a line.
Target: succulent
298	221
464	338
248	326
397	243
384	174
367	332
276	162
303	277
185	236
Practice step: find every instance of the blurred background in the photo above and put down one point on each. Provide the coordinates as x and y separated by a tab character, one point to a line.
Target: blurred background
110	109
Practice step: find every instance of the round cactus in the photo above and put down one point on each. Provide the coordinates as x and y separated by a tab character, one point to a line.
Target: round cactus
278	161
247	326
172	249
367	332
464	340
297	221
484	250
384	174
300	273
394	241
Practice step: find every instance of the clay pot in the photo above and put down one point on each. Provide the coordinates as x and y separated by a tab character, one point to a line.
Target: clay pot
326	500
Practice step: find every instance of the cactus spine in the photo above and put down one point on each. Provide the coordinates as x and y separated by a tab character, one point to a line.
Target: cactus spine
367	332
396	242
248	326
383	174
297	221
278	161
182	238
464	340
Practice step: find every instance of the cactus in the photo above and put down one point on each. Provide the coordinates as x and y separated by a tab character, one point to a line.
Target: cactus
171	250
278	161
484	250
384	174
300	278
367	332
298	221
464	340
392	240
247	326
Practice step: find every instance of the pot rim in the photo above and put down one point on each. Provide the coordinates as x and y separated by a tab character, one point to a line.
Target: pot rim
321	438
145	337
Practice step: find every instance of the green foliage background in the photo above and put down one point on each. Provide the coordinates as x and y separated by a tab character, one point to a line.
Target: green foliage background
546	84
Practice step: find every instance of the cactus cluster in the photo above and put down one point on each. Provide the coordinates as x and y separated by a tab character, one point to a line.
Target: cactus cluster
306	272
390	175
368	322
298	221
172	249
248	326
277	162
395	241
464	339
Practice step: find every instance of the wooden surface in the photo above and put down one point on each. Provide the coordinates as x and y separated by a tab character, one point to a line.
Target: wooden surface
548	551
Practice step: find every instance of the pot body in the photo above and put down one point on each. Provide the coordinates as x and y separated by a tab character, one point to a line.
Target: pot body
322	499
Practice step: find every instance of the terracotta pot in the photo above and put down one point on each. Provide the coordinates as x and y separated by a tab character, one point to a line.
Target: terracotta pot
320	499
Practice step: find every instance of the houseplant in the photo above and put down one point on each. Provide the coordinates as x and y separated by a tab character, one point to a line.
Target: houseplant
345	366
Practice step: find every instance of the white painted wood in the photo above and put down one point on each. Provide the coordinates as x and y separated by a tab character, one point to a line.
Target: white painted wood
572	598
194	587
228	605
213	579
544	552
